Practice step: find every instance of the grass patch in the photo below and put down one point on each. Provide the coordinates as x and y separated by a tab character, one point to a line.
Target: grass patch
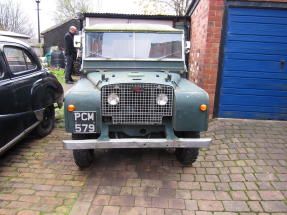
60	74
59	118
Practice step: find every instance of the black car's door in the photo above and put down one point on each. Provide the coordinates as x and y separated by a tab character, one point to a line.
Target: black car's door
24	73
9	127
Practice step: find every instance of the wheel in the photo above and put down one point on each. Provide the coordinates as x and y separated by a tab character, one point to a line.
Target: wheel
187	156
47	124
82	157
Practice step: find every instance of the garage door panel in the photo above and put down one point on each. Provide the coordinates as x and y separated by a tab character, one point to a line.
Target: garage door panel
253	65
254	115
255	74
255	38
251	108
257	19
256	47
252	56
254	83
256	12
255	92
261	29
271	101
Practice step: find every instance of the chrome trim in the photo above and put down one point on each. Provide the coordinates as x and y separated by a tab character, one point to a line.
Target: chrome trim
137	143
16	139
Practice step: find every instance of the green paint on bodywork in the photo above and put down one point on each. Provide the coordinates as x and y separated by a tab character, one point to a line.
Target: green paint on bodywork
86	96
92	65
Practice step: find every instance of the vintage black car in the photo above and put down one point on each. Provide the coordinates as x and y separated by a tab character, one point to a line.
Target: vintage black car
28	94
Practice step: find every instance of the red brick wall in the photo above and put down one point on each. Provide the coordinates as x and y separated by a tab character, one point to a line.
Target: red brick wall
206	25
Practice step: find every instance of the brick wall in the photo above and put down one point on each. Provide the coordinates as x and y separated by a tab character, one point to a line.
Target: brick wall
206	25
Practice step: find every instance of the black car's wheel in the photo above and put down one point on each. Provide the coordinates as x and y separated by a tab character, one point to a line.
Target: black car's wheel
187	156
47	124
82	157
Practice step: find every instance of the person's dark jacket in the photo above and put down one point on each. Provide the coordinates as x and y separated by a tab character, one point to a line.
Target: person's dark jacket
69	45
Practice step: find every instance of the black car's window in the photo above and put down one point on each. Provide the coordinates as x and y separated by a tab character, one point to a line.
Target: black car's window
1	69
18	60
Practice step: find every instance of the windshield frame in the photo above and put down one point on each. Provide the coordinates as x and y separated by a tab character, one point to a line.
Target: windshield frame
134	59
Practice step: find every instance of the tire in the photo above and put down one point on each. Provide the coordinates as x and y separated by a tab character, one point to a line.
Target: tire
187	156
83	157
47	124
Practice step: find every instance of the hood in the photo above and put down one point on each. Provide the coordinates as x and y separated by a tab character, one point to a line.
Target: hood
100	79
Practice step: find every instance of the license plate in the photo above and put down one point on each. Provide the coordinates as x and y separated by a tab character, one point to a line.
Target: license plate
85	121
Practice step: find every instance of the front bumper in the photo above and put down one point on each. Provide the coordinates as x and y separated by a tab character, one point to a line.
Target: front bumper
137	143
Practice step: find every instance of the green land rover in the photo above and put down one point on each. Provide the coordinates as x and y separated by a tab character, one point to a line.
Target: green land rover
134	94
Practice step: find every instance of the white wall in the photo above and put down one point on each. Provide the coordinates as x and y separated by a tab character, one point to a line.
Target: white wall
90	21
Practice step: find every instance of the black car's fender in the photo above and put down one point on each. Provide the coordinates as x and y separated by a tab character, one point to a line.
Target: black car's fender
46	92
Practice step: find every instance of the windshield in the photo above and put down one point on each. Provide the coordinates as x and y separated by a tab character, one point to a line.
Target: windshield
132	45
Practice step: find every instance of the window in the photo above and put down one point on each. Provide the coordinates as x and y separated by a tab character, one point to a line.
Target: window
18	60
133	45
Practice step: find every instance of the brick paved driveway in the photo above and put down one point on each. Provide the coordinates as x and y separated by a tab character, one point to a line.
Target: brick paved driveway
243	172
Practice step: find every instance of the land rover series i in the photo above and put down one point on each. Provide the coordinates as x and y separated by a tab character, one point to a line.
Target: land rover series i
134	93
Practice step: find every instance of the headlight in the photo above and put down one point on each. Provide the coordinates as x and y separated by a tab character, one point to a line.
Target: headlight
113	99
162	99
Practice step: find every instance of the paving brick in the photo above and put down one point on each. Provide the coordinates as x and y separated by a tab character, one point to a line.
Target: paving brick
101	200
8	197
255	206
235	206
133	211
203	195
154	211
207	205
28	212
159	202
4	211
122	200
274	206
86	196
191	205
108	190
52	201
167	193
111	210
237	186
172	212
238	195
222	195
176	204
183	194
253	195
143	201
133	182
95	210
271	195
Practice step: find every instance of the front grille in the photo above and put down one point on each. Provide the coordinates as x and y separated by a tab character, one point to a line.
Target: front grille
137	104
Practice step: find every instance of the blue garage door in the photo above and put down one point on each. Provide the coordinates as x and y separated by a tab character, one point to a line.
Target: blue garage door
254	75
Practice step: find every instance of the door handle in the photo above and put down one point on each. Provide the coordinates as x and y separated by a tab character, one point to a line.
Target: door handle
282	63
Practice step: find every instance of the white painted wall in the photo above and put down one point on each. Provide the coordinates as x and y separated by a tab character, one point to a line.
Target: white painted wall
90	21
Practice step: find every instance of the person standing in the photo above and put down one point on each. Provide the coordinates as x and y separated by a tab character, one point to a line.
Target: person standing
70	53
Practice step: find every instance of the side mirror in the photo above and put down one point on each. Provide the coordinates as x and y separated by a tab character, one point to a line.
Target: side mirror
77	41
